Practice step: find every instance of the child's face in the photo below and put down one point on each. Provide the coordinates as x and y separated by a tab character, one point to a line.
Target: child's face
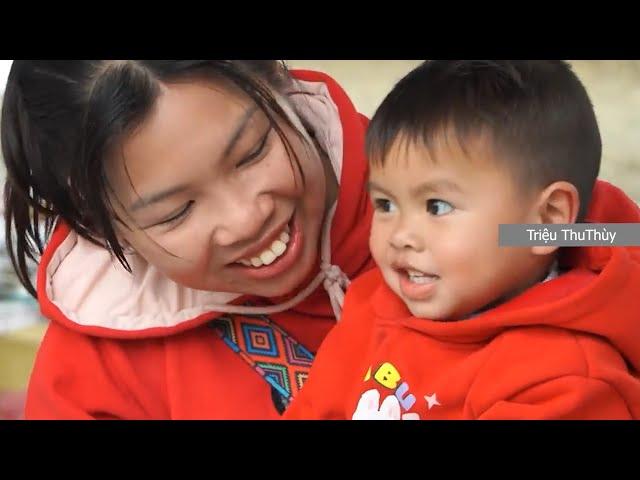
218	192
435	228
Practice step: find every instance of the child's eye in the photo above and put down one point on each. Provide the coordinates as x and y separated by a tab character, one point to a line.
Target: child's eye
438	207
384	205
260	148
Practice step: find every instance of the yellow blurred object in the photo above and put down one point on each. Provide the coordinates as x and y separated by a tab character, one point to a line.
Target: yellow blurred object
17	354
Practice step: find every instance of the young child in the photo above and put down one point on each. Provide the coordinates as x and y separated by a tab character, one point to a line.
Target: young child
452	326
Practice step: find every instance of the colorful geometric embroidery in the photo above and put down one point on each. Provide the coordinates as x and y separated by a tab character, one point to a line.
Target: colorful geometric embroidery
268	349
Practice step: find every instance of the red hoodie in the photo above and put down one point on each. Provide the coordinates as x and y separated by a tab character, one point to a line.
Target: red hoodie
568	348
139	347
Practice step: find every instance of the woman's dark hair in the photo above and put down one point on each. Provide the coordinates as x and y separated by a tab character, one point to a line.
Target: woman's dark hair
62	118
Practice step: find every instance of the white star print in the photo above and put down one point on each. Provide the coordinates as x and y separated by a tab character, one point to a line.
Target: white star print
432	400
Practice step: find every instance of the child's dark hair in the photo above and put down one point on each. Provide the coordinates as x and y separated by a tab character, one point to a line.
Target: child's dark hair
537	114
61	119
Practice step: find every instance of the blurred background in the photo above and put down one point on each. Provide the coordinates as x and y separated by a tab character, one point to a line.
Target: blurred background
614	87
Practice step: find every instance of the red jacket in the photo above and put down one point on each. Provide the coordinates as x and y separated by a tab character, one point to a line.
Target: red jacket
104	365
568	348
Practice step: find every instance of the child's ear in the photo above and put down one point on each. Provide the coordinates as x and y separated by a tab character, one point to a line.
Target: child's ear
557	204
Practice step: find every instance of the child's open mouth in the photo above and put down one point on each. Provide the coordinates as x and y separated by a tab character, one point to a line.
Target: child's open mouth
419	277
416	285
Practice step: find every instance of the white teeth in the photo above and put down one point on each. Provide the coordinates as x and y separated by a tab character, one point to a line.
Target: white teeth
419	280
419	277
267	257
256	262
278	247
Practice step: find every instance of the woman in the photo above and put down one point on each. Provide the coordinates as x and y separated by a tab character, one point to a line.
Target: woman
202	219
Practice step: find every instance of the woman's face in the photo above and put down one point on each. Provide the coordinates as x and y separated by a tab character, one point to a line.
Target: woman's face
211	195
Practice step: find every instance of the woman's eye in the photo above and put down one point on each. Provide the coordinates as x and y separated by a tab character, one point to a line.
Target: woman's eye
256	151
177	218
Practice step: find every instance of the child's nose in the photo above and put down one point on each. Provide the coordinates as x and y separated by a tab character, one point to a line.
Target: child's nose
406	236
